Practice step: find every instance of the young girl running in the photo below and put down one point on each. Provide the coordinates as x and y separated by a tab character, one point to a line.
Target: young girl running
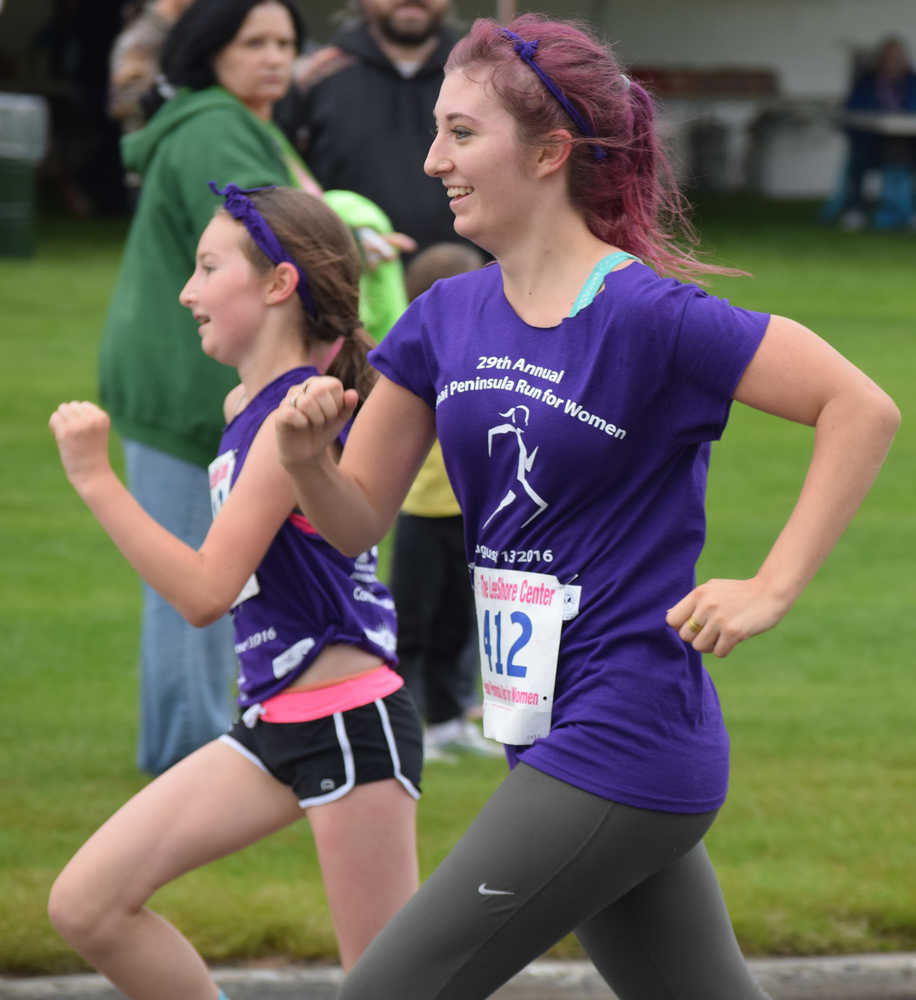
575	392
326	727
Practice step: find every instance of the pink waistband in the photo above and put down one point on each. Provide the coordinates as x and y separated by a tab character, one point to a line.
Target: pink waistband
304	706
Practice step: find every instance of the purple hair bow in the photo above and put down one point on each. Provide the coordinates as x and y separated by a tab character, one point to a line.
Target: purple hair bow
526	52
242	208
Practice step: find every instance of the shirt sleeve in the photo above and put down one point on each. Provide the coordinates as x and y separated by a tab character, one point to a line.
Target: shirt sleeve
404	355
715	343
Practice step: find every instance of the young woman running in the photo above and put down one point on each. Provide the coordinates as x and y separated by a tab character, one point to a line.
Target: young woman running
575	392
326	727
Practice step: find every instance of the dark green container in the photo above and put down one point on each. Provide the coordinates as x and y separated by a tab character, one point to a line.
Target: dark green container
23	144
17	208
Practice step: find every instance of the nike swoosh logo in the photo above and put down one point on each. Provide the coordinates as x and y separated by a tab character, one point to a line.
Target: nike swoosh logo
484	891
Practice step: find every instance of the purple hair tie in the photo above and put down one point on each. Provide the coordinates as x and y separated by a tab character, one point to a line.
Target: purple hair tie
242	208
526	51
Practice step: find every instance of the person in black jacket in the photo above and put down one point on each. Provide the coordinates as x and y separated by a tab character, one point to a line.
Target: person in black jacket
361	111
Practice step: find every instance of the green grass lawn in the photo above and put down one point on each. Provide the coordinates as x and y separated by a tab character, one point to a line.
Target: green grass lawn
815	847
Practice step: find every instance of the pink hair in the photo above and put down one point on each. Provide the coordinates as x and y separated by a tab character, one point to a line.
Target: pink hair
630	198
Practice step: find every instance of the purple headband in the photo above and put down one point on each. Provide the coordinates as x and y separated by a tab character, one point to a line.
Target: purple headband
242	208
525	51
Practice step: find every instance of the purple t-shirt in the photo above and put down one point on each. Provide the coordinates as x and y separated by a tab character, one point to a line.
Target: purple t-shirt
307	595
582	451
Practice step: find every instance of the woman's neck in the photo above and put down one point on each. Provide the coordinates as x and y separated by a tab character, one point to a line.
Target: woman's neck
543	273
261	109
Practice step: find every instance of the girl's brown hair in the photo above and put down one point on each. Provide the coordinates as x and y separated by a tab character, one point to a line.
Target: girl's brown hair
319	241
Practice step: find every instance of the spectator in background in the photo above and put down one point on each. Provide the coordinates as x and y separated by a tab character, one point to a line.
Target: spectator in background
437	650
361	109
889	87
134	60
133	69
231	61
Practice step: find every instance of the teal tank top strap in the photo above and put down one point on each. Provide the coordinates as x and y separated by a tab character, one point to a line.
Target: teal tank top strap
594	281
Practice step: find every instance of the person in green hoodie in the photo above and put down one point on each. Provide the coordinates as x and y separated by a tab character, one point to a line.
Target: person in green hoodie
225	63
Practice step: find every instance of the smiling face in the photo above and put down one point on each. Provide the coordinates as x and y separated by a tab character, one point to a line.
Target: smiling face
225	294
256	66
487	172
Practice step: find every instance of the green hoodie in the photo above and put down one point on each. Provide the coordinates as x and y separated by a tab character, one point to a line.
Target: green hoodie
155	381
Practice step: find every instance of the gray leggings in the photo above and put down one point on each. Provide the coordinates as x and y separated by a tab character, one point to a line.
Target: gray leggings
544	859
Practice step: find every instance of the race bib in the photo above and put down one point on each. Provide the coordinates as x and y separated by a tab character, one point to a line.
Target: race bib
519	619
220	471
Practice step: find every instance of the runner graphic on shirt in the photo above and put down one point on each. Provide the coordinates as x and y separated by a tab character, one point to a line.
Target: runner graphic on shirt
525	461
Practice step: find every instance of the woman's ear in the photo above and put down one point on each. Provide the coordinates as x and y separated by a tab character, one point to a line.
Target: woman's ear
283	283
554	153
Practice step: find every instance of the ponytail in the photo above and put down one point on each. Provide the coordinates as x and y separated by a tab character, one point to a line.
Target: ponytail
351	364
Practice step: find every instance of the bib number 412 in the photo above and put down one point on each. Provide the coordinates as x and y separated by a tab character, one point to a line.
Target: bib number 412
493	641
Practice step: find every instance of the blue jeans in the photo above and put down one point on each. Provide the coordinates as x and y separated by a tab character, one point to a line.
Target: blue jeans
895	157
186	674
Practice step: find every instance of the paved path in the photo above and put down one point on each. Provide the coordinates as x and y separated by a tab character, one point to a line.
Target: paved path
851	977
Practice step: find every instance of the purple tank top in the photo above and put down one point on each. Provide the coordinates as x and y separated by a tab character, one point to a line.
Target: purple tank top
305	595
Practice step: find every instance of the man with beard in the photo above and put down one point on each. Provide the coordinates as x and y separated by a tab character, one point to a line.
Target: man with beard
361	111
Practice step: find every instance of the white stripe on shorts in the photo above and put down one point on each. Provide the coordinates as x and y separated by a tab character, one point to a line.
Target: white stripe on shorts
231	741
349	768
347	753
411	788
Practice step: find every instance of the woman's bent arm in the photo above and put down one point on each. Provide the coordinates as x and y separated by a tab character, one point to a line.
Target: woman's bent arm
798	376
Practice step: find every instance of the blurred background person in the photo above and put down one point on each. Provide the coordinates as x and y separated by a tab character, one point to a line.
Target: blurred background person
888	87
133	64
437	637
229	61
361	110
133	69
